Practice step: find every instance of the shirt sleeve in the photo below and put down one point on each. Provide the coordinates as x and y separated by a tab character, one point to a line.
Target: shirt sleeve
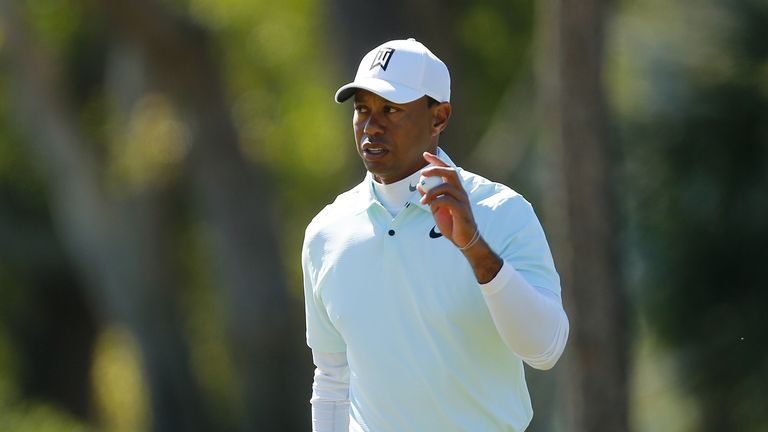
532	323
321	333
524	298
330	393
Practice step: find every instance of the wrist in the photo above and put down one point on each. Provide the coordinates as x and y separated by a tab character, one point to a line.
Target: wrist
483	260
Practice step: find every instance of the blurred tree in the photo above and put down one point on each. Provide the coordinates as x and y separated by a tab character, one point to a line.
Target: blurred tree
583	212
237	202
39	292
695	131
117	218
118	245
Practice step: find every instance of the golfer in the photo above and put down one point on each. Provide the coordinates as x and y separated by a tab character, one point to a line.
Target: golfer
422	307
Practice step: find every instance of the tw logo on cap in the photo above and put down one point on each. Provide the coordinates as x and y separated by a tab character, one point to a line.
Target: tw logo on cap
382	58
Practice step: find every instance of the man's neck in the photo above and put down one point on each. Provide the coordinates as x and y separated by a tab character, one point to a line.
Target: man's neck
393	196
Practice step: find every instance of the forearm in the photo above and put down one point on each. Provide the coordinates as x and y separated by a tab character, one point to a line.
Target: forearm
330	393
531	322
330	416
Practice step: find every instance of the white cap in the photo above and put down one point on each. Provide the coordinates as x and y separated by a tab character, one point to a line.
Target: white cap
400	71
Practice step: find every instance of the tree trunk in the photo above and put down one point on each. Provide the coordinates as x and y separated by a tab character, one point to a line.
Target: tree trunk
236	201
583	213
119	245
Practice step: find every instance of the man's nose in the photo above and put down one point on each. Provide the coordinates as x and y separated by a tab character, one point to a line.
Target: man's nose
373	125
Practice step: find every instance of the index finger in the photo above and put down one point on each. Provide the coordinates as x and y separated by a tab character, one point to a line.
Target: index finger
448	173
434	160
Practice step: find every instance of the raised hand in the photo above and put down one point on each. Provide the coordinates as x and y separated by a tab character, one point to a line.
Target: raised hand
449	204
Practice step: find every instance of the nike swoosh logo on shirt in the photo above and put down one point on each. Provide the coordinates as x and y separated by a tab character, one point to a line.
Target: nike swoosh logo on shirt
434	234
411	187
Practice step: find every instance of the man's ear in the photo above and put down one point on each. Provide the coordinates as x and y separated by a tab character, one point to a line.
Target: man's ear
440	116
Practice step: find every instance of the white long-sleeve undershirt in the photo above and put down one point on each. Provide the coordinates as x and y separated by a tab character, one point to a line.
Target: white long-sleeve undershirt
530	321
330	393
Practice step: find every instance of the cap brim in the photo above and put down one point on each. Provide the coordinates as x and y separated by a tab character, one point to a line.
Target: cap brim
390	91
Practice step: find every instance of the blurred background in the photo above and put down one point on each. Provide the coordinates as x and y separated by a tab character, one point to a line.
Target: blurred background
159	161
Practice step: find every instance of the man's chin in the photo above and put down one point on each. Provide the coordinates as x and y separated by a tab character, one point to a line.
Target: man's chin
380	173
376	168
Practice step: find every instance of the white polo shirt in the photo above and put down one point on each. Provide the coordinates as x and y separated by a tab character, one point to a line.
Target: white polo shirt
403	303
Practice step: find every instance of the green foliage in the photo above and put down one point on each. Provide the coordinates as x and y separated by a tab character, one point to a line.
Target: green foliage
54	21
117	364
8	361
38	417
205	322
495	47
276	66
697	152
496	38
279	81
17	170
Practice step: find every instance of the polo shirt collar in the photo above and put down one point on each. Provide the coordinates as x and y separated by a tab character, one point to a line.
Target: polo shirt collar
367	197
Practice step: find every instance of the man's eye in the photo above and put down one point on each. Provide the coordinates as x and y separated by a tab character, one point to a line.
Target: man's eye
361	109
390	109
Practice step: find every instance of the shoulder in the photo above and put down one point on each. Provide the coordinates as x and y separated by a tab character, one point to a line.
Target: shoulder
499	210
490	196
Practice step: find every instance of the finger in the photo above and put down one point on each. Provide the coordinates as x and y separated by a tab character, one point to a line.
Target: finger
460	212
445	189
448	173
420	189
448	212
444	221
434	160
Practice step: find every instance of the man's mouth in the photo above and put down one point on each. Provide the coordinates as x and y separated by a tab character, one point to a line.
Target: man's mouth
373	150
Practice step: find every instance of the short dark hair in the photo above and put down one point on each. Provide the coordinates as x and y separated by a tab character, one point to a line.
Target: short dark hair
431	102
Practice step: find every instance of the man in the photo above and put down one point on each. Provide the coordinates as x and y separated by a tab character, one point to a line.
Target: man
421	307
